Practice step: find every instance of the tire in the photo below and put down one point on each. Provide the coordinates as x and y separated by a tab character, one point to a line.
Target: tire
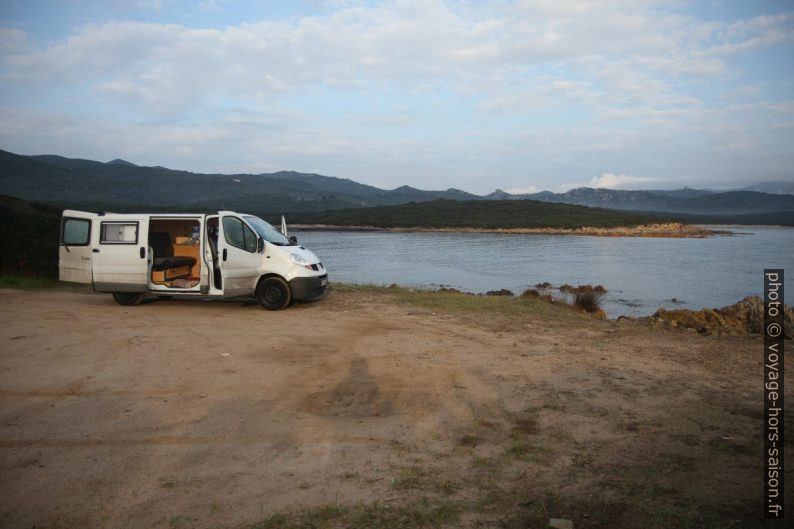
128	299
273	293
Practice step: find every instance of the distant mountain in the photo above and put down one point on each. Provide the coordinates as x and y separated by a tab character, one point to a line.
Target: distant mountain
686	192
119	161
691	201
780	188
121	185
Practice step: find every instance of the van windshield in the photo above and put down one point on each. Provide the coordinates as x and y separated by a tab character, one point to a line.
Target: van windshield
267	232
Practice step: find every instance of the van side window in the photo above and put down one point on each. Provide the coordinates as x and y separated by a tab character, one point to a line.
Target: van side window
238	234
76	232
118	233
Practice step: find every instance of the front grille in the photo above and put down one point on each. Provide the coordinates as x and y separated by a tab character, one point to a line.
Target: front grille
317	267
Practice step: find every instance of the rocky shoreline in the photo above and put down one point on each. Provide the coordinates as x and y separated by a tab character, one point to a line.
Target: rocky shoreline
740	319
664	230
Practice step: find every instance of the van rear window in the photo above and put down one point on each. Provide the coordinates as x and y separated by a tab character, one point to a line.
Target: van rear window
76	232
119	233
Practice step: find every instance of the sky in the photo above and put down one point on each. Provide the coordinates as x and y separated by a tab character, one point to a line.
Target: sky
517	95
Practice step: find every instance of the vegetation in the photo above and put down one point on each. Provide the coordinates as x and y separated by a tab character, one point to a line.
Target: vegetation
468	303
587	300
30	235
418	513
492	214
31	282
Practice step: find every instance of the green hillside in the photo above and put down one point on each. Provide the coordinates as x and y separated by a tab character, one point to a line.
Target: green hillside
490	214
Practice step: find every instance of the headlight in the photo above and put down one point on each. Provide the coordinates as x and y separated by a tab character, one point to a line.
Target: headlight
300	261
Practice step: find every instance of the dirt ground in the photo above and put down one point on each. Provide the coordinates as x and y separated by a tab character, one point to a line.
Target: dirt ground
364	411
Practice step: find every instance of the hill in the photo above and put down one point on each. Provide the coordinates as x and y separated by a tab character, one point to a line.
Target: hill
492	214
121	185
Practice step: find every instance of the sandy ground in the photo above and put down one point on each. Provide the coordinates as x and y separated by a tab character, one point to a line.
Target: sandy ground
219	414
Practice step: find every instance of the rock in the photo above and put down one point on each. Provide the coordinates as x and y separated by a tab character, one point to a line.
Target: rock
560	523
503	292
739	319
530	293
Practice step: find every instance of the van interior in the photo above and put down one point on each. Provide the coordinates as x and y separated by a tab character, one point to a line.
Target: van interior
175	249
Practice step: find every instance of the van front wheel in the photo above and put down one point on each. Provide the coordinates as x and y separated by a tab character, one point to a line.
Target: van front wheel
273	293
128	298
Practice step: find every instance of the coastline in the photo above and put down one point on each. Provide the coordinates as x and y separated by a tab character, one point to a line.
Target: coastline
665	230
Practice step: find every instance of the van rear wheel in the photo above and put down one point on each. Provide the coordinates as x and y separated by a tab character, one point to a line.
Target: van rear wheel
128	299
273	293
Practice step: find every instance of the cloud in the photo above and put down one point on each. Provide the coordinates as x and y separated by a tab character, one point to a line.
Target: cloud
620	181
497	50
522	190
210	6
453	93
611	180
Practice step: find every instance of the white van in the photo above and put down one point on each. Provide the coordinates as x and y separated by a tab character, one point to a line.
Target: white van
219	255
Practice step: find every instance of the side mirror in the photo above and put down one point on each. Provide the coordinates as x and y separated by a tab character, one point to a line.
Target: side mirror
260	244
293	239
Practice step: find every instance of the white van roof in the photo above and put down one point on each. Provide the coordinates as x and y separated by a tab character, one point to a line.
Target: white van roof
132	216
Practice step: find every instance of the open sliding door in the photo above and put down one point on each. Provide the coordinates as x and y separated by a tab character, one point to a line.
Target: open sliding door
120	254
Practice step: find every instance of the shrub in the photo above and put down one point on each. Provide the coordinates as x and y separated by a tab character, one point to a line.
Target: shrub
587	300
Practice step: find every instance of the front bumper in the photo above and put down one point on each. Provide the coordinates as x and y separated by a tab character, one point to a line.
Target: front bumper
309	288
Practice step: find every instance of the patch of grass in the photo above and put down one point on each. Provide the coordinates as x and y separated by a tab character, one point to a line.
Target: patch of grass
420	513
681	515
418	478
544	306
358	287
526	451
30	282
478	304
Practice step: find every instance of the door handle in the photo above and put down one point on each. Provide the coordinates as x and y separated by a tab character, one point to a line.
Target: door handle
95	250
143	252
224	254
